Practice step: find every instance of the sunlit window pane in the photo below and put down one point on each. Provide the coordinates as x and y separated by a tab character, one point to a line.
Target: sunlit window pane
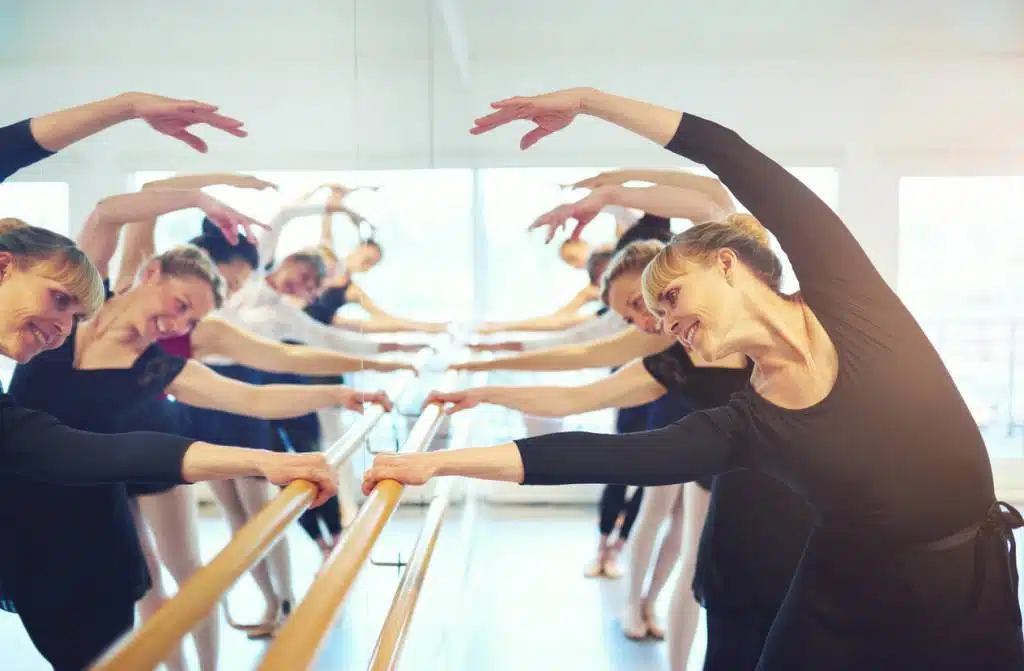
961	269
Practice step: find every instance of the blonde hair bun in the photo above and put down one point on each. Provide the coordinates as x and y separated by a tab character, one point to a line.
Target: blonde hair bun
751	227
10	223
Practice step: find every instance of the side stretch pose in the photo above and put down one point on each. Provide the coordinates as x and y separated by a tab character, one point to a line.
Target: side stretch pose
911	563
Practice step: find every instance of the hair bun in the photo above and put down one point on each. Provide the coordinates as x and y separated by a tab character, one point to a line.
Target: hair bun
10	223
211	229
751	227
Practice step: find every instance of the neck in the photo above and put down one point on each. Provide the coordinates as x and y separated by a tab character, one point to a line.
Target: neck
113	322
777	335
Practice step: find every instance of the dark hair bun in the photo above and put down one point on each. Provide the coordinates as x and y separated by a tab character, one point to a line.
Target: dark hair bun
213	242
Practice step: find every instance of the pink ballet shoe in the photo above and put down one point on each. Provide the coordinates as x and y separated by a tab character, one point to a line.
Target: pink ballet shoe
655	630
595	569
610	566
634	626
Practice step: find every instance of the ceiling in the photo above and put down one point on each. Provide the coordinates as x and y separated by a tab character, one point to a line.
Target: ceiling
242	31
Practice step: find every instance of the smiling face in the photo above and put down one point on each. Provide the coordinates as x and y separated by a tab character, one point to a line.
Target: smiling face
625	296
296	279
361	259
39	311
166	306
698	302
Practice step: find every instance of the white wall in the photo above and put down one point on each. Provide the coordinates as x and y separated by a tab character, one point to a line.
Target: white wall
874	120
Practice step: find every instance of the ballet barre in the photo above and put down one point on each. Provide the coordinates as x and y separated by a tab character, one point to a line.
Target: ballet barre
298	643
391	641
148	646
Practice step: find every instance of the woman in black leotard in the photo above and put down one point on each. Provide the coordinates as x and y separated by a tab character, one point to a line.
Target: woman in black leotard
849	404
756	528
106	369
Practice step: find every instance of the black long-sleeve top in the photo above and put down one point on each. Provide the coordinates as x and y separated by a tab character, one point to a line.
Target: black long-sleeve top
91	523
891	454
18	148
36	445
756	527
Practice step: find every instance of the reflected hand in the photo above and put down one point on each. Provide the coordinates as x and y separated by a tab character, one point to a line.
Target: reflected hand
582	211
460	400
406	469
467	366
550	112
285	468
227	219
393	366
174	117
249	182
354	400
612	178
497	347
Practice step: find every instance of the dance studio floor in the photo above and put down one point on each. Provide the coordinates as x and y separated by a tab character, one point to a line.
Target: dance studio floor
519	602
526	604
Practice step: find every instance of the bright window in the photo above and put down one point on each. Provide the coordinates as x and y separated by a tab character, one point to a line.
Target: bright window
961	267
423	220
44	204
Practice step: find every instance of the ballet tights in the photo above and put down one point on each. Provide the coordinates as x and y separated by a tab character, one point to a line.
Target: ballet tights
331	429
241	499
684	612
168	534
684	507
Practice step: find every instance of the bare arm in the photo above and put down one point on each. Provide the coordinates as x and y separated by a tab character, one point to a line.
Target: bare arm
615	350
216	336
556	322
199	386
203	180
355	294
630	386
668	201
708	186
98	238
384	325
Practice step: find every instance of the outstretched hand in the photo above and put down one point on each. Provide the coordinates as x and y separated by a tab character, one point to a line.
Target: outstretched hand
460	400
612	178
406	469
228	219
354	400
582	211
174	117
550	112
283	469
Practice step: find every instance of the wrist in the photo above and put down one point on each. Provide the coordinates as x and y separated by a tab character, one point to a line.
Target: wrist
591	100
434	462
340	395
124	106
258	462
611	194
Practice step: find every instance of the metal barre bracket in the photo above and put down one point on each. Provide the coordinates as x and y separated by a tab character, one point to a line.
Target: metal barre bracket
397	564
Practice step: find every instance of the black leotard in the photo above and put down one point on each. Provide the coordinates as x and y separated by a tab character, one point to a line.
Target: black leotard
74	554
754	534
907	567
18	148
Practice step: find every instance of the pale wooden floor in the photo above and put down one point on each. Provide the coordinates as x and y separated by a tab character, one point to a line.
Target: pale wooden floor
518	602
525	604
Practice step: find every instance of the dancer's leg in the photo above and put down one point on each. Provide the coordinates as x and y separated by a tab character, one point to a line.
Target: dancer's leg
331	429
255	495
659	504
172	518
153	599
684	611
237	515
